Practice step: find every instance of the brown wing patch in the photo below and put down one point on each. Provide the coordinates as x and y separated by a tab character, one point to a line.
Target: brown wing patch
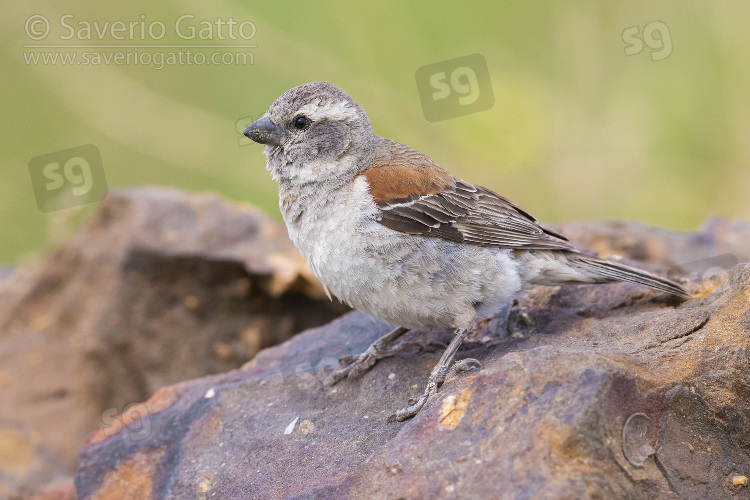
399	172
398	181
416	196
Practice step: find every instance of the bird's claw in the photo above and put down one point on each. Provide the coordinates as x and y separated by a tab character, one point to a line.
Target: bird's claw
462	365
436	380
351	367
354	366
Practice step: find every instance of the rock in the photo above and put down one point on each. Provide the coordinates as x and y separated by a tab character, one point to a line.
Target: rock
599	391
158	287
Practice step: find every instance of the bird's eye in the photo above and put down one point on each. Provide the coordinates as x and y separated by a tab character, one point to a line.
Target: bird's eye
301	122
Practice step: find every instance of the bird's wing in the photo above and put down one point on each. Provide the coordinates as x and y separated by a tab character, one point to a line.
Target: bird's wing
416	196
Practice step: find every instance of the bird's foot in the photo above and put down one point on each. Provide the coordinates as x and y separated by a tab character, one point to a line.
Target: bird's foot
354	366
434	382
415	404
462	365
444	370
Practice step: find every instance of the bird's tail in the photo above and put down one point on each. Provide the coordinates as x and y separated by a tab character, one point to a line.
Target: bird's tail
616	271
581	268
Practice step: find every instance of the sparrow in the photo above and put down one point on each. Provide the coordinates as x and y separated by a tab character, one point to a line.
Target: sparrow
390	232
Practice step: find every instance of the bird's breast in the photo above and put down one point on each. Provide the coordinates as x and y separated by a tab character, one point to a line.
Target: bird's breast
410	280
330	227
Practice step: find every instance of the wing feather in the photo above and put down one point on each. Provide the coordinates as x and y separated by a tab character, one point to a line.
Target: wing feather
416	196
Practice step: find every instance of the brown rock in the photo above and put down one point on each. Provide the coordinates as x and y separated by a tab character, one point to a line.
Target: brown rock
606	391
159	286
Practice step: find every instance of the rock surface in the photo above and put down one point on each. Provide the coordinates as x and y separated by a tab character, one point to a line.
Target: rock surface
602	391
158	287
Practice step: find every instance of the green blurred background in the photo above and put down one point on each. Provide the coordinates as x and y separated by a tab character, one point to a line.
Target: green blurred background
578	130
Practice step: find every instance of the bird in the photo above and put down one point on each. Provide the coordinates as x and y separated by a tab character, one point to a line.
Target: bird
390	232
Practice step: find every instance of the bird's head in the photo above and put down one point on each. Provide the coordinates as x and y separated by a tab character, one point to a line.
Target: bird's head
312	132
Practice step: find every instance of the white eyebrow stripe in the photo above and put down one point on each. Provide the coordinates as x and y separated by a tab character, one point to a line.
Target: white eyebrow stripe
338	110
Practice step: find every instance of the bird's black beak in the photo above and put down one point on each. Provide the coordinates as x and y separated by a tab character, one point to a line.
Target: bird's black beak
264	131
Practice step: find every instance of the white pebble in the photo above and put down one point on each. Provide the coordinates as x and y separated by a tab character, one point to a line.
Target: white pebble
290	428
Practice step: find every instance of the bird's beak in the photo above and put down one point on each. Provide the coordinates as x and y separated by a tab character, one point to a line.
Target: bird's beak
264	131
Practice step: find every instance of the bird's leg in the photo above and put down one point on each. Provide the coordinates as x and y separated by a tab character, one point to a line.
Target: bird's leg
441	372
353	366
